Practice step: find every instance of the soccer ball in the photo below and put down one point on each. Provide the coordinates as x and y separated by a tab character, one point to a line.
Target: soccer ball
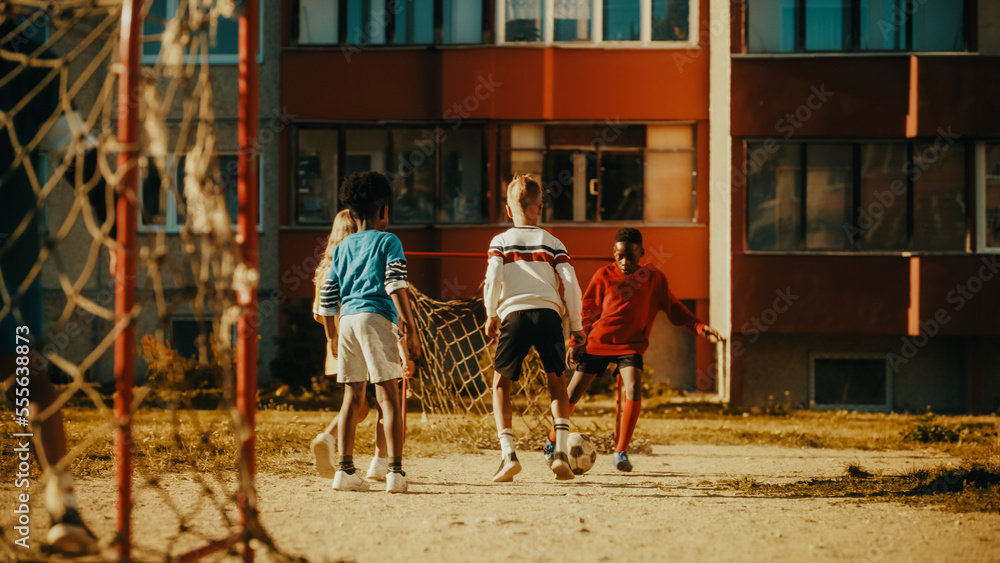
582	453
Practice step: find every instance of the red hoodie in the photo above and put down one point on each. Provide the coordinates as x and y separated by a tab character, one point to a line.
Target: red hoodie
618	310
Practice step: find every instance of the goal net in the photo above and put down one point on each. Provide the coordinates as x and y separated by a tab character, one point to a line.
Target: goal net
455	377
61	182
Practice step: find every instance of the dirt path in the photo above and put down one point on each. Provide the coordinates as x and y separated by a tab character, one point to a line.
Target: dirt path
667	510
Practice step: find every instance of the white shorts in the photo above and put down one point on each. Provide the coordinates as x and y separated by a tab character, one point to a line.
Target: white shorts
368	349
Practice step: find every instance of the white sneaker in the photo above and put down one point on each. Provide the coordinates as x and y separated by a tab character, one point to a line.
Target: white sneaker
324	448
353	482
560	466
509	466
395	482
378	469
70	536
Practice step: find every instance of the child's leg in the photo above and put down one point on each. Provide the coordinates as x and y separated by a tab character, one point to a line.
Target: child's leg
354	401
381	446
387	395
502	412
632	382
576	389
560	412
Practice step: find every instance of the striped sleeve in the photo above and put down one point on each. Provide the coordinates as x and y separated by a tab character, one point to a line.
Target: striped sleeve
395	276
329	298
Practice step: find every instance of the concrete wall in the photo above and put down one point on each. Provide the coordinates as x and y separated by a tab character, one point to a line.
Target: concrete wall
936	376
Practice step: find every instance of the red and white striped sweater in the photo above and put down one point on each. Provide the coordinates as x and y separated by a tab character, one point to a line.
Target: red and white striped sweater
525	266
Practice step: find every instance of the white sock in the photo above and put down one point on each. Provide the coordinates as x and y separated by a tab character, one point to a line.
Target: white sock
506	441
59	495
562	434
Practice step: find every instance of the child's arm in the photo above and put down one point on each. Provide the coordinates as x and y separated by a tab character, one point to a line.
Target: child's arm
328	307
492	289
398	289
401	299
572	295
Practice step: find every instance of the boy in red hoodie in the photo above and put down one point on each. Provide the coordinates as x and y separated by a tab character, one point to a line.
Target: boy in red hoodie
619	307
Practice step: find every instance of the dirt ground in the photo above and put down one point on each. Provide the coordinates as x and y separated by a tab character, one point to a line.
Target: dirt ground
668	509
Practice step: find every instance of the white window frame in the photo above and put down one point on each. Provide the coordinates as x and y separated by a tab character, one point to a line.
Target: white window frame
597	29
216	59
172	226
981	172
874	407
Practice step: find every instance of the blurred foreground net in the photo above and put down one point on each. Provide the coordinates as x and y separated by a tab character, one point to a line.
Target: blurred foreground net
59	185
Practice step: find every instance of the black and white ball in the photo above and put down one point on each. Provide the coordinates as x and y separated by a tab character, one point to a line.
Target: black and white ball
582	453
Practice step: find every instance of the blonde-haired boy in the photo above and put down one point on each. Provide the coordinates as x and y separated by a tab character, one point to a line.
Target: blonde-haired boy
523	309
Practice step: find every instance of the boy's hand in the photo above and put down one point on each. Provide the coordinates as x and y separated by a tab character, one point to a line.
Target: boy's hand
577	345
334	348
711	334
409	368
412	344
492	328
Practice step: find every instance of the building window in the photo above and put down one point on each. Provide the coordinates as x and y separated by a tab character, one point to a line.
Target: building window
223	38
627	22
159	209
605	171
437	172
989	195
392	22
788	26
857	382
856	196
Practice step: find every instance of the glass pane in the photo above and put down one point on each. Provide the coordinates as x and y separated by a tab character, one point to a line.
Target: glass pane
670	20
567	183
879	28
669	185
992	195
153	196
520	162
774	189
414	21
829	180
597	135
771	26
939	216
938	26
463	21
828	24
365	151
319	21
670	136
881	222
153	25
462	176
622	20
621	187
225	180
317	182
527	136
524	20
572	20
413	175
227	34
366	22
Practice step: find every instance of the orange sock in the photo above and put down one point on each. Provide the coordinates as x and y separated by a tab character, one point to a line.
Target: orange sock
630	415
552	429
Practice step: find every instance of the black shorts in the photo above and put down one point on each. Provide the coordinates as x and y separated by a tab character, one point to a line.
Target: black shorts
519	331
597	364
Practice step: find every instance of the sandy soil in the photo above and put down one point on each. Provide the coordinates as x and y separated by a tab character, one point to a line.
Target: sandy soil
666	510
